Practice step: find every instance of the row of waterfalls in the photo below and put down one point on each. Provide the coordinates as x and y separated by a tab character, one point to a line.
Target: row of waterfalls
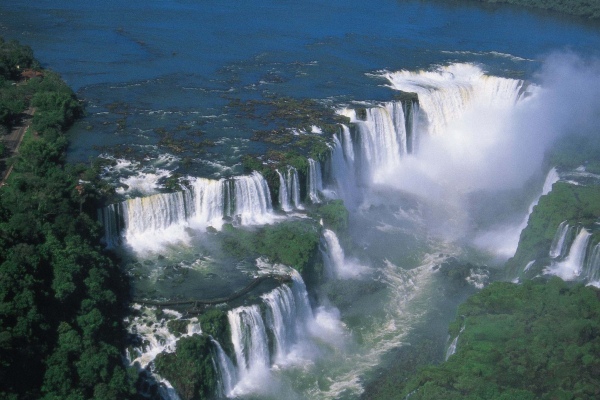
283	326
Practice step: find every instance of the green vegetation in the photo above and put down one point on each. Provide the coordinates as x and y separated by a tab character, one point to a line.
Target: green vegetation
292	243
531	341
61	302
15	58
190	369
581	8
214	322
579	205
572	151
334	215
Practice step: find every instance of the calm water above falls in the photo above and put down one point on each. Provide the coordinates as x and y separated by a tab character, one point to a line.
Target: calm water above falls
166	64
149	66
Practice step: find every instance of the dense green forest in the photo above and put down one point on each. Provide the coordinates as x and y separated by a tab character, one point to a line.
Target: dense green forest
61	304
581	8
536	340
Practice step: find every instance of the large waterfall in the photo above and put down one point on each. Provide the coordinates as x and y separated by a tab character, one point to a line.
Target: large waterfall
262	339
381	141
152	219
249	338
447	93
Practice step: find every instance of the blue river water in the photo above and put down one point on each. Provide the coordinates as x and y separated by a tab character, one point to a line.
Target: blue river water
162	64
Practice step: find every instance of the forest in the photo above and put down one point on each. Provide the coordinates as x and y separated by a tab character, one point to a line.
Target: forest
62	297
536	340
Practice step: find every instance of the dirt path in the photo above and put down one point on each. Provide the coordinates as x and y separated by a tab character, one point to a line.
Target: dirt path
13	140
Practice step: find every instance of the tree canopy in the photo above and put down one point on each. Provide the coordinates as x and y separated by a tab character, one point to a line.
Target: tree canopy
61	295
536	340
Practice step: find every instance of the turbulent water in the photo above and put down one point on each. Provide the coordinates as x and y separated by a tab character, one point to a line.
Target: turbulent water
160	82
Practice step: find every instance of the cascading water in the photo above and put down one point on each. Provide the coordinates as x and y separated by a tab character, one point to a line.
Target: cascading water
268	336
287	314
381	140
412	116
252	199
447	93
289	189
226	370
452	348
147	221
286	327
112	223
315	181
572	266
336	263
342	175
211	201
249	338
592	267
334	256
559	243
380	144
294	184
551	178
284	197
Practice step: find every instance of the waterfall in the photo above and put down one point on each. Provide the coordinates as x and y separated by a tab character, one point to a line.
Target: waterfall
336	263
551	178
156	213
572	266
315	181
334	257
112	223
211	201
146	221
284	197
452	348
285	327
289	189
412	115
252	199
249	338
287	315
559	243
529	264
342	176
226	370
592	267
447	93
294	184
381	140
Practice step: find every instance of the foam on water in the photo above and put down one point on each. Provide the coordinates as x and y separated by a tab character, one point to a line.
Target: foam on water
572	266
